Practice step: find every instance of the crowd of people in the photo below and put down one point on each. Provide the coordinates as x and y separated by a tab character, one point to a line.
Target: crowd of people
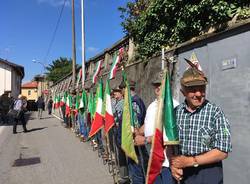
204	132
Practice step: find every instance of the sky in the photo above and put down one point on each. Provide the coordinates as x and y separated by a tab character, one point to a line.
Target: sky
27	28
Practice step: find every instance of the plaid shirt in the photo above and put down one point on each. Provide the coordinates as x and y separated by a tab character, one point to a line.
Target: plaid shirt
202	130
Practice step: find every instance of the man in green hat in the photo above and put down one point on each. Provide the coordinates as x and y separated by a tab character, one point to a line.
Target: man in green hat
204	133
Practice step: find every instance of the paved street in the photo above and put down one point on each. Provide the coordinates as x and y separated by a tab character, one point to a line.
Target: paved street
48	154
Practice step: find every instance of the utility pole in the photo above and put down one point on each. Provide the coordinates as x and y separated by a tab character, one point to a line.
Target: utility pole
73	45
83	44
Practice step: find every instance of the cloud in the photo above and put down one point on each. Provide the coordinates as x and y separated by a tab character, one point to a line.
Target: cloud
54	3
92	49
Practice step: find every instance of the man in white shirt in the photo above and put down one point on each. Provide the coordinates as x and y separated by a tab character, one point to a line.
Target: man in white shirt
19	105
144	135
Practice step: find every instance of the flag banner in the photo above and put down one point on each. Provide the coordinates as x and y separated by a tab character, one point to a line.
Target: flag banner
97	70
169	120
69	80
63	99
79	76
165	130
97	123
58	101
54	102
116	59
156	157
127	142
91	104
83	101
68	106
109	117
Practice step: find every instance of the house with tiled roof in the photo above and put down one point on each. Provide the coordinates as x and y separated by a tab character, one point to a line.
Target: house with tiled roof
11	76
29	90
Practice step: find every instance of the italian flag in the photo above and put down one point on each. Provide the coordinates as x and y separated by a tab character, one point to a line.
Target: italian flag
68	105
97	123
83	101
97	70
116	59
57	102
164	118
109	117
63	99
79	76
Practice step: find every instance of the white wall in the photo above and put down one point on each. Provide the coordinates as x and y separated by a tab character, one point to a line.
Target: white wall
10	80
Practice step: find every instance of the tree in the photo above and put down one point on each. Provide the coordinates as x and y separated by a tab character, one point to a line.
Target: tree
58	69
156	23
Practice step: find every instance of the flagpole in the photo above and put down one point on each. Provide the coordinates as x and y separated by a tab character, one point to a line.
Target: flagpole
83	44
73	45
162	58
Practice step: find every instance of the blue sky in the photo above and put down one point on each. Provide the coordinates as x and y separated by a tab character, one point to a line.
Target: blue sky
27	27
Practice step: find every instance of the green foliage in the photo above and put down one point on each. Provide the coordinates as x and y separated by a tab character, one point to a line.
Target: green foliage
58	69
156	23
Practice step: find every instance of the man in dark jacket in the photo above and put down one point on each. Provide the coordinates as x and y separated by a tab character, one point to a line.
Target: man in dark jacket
40	106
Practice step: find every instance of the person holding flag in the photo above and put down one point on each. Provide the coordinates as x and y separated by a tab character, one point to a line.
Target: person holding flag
144	136
204	133
82	110
118	111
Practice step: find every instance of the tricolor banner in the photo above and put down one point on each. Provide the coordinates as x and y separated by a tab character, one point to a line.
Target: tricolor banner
116	59
97	123
164	120
109	117
79	76
68	105
97	70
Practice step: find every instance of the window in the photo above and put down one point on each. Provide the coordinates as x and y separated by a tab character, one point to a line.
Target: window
29	92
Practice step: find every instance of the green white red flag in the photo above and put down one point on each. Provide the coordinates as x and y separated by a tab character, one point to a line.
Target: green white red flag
97	70
63	99
57	100
79	76
68	105
97	123
83	101
109	117
116	59
164	118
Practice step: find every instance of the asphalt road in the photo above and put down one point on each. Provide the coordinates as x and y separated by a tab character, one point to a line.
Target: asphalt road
48	154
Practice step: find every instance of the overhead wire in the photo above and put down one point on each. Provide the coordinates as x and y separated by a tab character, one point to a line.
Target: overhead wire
54	33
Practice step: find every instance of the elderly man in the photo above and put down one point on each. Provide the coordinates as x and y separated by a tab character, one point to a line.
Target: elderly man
204	134
20	106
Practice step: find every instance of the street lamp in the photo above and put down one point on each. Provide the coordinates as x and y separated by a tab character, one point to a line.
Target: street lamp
44	67
42	76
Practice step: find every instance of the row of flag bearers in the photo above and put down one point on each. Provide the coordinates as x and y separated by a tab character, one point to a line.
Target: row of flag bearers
93	114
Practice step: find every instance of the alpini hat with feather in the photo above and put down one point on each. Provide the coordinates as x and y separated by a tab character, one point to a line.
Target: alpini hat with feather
192	76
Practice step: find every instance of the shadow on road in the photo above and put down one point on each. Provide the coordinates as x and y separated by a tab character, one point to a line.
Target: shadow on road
36	129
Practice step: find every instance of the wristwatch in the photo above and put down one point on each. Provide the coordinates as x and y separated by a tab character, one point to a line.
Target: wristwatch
146	141
195	163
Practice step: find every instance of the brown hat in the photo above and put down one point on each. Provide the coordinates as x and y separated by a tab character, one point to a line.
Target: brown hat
132	84
117	89
157	80
193	77
122	85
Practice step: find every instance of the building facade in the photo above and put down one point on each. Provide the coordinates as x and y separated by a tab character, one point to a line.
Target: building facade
11	76
30	90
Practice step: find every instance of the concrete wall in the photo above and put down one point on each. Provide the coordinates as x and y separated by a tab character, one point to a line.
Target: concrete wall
225	59
226	64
